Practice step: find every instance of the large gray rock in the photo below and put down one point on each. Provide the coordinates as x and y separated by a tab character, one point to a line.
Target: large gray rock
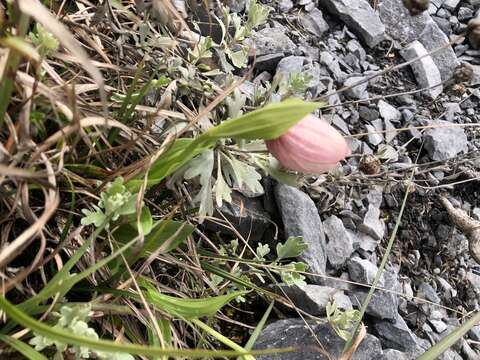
359	16
451	5
432	38
340	242
404	28
300	218
425	70
399	24
247	215
294	333
314	298
443	143
313	22
398	336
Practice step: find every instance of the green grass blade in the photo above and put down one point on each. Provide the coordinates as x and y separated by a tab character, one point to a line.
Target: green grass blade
259	328
439	348
40	328
24	349
224	340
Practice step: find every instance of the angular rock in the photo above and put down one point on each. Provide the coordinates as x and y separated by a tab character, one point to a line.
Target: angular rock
340	242
272	41
247	215
291	64
451	5
314	22
294	333
388	112
474	333
300	218
374	137
314	298
383	304
399	24
398	336
476	75
285	5
445	142
363	271
358	92
432	38
359	17
426	291
425	71
372	224
392	354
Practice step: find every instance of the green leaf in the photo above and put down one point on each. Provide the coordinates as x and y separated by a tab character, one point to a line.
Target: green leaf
181	152
22	348
222	190
257	15
168	234
187	308
267	123
23	319
291	273
293	247
146	220
262	251
258	329
242	175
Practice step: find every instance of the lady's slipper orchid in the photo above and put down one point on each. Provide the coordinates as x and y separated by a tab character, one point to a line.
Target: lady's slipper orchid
312	146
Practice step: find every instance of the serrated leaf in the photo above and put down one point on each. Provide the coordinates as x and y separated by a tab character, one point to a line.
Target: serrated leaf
257	15
201	166
238	58
262	251
243	176
235	103
293	247
290	274
222	191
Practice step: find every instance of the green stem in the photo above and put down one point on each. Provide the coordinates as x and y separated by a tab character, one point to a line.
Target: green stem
8	78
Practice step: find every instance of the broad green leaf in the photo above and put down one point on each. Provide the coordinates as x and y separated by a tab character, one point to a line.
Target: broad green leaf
17	315
293	247
181	152
187	308
146	220
22	348
170	231
267	123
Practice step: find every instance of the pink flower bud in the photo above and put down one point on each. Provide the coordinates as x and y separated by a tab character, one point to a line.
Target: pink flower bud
312	146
